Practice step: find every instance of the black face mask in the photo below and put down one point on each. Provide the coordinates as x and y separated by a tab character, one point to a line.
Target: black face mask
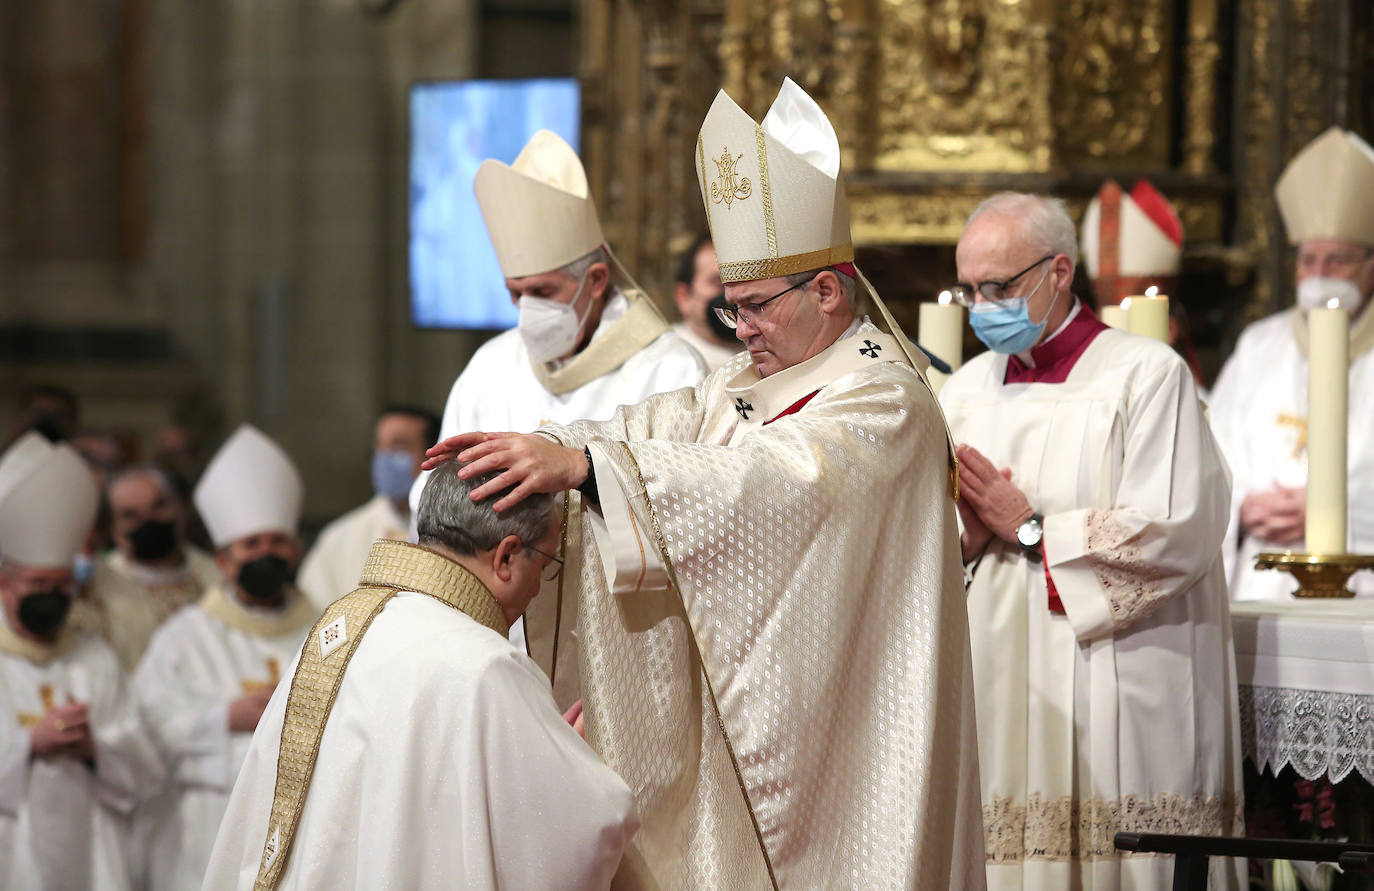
153	539
265	579
43	612
723	332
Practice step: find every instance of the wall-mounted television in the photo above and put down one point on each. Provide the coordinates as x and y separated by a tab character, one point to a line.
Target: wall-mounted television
455	281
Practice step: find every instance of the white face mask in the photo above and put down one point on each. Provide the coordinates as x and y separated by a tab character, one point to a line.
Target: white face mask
1319	291
550	328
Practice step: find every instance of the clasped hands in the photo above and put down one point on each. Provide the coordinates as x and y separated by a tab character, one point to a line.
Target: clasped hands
64	732
1278	516
530	464
989	503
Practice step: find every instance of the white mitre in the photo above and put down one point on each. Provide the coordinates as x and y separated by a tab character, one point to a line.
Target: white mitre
539	211
1325	191
22	454
250	487
1144	248
47	513
774	192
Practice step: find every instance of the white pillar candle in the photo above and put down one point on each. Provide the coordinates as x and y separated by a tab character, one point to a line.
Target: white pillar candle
1150	317
1327	400
1114	316
941	331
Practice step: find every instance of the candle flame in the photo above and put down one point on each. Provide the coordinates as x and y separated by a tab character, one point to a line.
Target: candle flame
945	298
1333	303
1152	291
1126	303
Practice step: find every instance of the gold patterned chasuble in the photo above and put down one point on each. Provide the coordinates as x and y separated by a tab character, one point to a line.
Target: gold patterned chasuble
793	707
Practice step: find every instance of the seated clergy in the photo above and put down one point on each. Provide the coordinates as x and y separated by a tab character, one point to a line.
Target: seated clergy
426	750
74	758
211	668
152	571
1094	501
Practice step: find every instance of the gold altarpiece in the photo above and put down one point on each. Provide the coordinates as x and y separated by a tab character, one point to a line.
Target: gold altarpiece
940	103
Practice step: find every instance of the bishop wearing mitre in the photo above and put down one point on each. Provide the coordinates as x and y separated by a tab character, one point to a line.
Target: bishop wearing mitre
74	759
1259	408
774	649
212	667
587	341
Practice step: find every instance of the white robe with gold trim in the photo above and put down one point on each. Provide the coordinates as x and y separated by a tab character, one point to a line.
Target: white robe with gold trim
333	566
444	764
783	665
64	824
195	666
1120	715
132	601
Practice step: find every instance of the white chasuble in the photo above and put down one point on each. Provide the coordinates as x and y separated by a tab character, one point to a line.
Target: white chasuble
64	823
200	660
132	601
331	568
443	763
1259	412
1119	714
499	390
783	676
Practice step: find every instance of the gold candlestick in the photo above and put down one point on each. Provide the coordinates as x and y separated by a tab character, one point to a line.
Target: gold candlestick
1318	575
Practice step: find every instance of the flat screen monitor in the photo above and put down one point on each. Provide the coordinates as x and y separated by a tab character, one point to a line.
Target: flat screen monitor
455	281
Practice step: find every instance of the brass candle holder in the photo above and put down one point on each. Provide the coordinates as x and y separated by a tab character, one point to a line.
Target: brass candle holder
1318	575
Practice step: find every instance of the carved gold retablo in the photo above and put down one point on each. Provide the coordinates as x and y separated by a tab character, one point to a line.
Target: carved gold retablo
1318	575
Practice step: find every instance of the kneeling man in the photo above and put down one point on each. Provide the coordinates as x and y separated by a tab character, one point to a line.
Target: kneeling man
442	760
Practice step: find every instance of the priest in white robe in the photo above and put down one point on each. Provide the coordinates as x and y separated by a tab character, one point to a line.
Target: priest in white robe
1093	500
774	647
586	341
152	571
425	751
74	759
210	670
399	440
698	292
1259	408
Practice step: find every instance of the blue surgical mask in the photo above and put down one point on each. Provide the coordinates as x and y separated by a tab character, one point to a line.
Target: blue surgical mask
1005	326
392	474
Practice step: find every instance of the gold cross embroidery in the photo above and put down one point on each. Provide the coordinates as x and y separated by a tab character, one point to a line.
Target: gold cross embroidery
49	699
273	676
1287	420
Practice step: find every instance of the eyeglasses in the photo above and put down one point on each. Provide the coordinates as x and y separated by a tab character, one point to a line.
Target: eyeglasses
555	564
993	292
751	312
1340	260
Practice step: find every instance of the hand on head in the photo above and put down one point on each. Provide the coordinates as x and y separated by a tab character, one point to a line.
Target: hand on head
531	464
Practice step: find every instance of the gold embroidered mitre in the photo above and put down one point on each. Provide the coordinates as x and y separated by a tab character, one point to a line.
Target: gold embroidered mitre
539	211
773	191
1324	192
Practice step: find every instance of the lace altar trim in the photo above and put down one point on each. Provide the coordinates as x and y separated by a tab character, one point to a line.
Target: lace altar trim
1318	733
1065	828
1131	583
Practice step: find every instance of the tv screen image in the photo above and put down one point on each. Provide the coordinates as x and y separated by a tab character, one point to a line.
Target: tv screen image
455	281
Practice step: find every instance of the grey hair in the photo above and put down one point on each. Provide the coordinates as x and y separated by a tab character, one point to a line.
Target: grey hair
848	283
153	472
578	268
1045	221
449	518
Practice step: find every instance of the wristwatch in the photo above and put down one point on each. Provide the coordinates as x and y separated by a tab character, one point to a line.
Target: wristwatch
1029	535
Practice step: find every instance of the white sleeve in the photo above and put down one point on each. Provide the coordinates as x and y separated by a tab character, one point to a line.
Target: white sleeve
127	763
190	726
15	748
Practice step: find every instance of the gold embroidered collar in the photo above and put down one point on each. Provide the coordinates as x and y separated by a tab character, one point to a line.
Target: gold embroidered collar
408	567
640	326
298	614
758	400
35	651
